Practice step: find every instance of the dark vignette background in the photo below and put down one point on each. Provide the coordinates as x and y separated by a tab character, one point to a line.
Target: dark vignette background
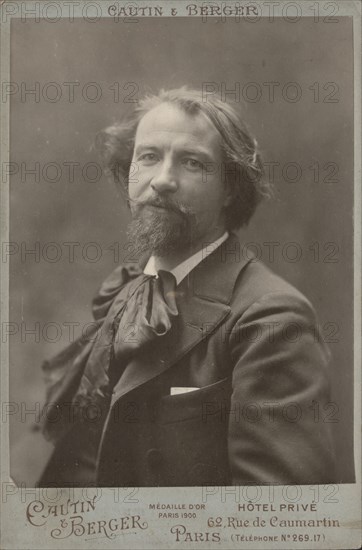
168	53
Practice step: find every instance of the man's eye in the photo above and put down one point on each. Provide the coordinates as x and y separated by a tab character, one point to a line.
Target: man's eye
148	157
192	164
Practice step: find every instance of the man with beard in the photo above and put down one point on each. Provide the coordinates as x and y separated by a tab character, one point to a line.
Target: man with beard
203	366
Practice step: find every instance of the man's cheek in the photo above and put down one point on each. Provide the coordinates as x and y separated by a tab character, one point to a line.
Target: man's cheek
136	192
137	179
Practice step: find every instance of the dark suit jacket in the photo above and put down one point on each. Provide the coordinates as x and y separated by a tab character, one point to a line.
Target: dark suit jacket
250	342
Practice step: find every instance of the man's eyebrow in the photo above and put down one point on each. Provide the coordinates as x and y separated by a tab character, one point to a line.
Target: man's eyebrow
143	146
198	151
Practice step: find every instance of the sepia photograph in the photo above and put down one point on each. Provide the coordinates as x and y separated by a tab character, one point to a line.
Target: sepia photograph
179	270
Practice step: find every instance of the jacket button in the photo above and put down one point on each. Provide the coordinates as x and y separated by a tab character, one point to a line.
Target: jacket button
154	458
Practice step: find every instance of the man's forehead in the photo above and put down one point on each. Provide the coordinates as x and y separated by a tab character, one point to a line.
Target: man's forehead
172	119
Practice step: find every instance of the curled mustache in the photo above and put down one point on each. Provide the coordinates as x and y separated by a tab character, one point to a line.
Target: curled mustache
173	206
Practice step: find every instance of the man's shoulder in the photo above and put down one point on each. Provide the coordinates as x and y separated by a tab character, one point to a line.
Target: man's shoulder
258	284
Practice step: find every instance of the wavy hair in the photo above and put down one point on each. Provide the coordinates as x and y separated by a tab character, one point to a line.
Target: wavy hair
241	167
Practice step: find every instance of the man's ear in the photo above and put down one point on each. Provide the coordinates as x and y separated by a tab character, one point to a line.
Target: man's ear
229	194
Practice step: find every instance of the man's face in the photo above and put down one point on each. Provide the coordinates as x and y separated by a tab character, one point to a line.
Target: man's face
176	199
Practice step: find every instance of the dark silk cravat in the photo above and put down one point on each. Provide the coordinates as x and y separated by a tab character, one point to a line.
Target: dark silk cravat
128	329
146	317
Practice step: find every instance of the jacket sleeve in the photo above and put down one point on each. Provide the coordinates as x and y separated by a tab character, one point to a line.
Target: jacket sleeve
278	431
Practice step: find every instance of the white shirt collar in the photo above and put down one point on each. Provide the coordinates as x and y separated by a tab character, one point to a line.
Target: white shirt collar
183	269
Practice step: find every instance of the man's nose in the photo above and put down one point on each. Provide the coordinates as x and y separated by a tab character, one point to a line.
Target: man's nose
165	180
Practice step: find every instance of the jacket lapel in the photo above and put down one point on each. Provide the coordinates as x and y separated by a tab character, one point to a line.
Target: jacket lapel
203	299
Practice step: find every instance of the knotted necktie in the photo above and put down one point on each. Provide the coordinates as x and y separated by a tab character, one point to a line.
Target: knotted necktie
146	316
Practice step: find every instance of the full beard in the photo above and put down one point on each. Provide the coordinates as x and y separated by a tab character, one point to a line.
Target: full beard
163	232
